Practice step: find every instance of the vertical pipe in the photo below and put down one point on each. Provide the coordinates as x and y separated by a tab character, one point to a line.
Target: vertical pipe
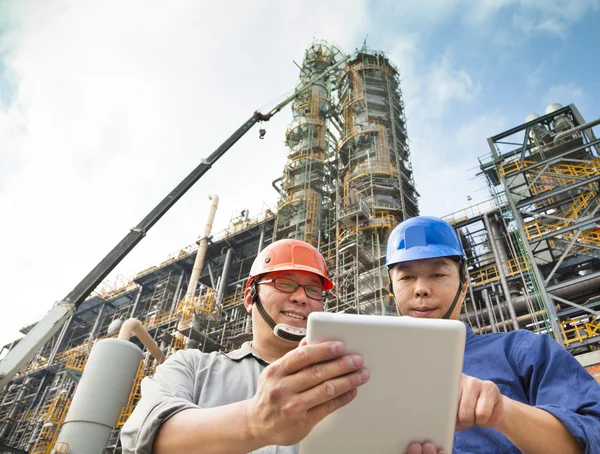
176	295
490	311
61	336
261	240
202	247
500	312
137	301
97	322
500	258
34	433
212	276
224	275
474	306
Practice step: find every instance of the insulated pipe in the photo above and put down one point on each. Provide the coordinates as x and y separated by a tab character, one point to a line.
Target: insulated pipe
134	326
520	302
500	257
572	131
523	318
202	247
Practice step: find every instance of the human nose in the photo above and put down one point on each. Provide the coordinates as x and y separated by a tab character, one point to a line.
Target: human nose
422	288
299	295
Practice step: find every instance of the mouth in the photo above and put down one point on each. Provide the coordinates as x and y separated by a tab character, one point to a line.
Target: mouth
294	315
423	311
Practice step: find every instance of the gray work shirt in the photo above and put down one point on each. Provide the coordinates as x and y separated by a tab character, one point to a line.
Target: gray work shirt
192	379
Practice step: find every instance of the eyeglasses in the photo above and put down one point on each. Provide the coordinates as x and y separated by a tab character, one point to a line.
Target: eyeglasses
286	285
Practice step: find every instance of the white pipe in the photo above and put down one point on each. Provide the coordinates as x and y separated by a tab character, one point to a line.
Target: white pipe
202	247
572	131
134	326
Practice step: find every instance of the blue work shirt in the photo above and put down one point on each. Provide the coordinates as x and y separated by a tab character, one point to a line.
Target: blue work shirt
533	369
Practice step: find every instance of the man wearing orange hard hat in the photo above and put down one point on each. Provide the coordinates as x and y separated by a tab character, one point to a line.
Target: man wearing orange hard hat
267	395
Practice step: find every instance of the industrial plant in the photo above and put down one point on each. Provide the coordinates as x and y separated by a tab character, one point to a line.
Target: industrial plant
533	252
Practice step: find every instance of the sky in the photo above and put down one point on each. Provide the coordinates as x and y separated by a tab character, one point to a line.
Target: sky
106	105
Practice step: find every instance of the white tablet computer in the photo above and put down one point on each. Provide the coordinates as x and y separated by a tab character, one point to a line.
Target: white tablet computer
412	395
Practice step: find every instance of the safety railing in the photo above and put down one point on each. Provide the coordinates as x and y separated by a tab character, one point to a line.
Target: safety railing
490	273
55	414
77	357
145	369
537	228
471	212
578	330
159	319
510	167
206	303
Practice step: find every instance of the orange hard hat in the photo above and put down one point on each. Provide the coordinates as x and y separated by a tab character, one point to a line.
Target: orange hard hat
290	255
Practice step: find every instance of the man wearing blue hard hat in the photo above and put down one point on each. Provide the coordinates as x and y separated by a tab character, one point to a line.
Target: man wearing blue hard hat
520	392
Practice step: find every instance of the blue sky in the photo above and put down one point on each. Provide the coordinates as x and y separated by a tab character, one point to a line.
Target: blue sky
106	105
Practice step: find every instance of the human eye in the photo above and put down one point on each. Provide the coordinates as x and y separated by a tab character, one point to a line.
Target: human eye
286	285
405	277
314	292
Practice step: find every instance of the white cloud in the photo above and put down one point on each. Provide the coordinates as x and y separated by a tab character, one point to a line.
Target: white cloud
529	17
443	156
115	103
564	94
447	85
551	17
445	162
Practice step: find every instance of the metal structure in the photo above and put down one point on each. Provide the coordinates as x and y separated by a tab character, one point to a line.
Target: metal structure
534	248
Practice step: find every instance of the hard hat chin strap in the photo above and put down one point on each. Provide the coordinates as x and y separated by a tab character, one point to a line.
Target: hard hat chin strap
285	332
463	281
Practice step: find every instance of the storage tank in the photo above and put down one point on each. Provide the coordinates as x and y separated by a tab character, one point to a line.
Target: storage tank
531	117
553	108
561	123
103	390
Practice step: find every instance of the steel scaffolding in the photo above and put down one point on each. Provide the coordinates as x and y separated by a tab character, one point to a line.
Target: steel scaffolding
533	248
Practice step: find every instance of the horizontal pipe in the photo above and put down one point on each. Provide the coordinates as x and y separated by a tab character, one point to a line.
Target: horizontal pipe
572	131
522	318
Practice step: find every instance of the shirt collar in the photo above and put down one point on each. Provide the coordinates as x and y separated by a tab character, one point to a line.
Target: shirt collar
244	351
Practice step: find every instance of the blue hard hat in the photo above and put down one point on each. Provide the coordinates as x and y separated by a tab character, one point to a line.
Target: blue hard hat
422	237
